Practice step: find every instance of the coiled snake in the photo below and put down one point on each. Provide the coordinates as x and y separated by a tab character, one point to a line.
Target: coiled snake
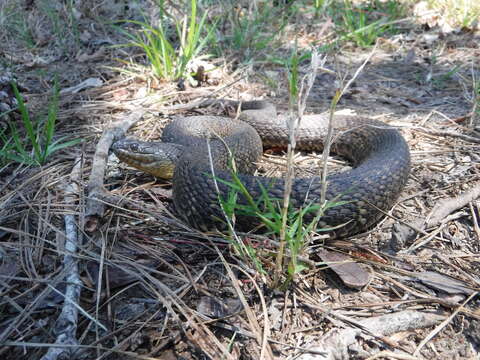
379	154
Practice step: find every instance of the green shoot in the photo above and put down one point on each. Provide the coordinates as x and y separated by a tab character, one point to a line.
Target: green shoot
38	143
361	28
439	81
292	64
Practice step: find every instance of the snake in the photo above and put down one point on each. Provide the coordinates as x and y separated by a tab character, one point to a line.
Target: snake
196	152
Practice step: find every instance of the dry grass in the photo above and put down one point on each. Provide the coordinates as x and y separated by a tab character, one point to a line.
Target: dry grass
147	278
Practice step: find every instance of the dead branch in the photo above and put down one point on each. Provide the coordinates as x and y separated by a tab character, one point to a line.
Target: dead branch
446	206
336	342
469	138
94	208
66	325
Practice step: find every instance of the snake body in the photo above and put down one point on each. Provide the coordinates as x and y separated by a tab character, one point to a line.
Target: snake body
379	154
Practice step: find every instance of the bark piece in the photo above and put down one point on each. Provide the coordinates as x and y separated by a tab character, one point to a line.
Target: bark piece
444	283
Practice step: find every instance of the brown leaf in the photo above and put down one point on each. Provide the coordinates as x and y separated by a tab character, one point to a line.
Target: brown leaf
351	274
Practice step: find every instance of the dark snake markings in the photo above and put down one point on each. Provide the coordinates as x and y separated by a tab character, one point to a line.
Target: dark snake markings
379	154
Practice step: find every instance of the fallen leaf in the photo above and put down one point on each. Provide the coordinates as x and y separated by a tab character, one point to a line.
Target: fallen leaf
351	274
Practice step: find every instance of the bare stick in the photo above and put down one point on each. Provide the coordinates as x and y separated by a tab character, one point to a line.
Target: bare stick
447	206
66	325
94	209
469	138
475	117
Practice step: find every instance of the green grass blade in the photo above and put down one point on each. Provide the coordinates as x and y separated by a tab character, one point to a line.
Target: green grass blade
58	145
51	120
27	123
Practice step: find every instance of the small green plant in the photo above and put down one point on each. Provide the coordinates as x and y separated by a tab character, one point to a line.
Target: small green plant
282	221
439	81
63	23
167	60
288	223
359	23
268	212
291	64
318	4
38	143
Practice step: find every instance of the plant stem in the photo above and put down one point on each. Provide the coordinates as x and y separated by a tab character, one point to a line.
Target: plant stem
328	141
294	119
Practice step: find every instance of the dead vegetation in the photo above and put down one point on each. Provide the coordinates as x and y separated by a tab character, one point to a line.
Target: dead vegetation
148	286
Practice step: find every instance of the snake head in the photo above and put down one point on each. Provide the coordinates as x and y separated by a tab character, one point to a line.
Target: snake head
155	158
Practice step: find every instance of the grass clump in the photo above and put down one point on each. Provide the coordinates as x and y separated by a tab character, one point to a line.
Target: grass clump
269	213
32	142
365	23
168	60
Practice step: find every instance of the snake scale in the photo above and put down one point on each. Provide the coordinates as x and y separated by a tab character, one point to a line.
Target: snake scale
378	153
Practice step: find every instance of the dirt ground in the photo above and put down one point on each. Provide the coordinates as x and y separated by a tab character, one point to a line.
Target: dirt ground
152	288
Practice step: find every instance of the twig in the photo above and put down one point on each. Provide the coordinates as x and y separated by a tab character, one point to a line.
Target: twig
328	139
66	325
294	121
449	133
75	347
476	227
94	208
444	323
447	206
475	118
